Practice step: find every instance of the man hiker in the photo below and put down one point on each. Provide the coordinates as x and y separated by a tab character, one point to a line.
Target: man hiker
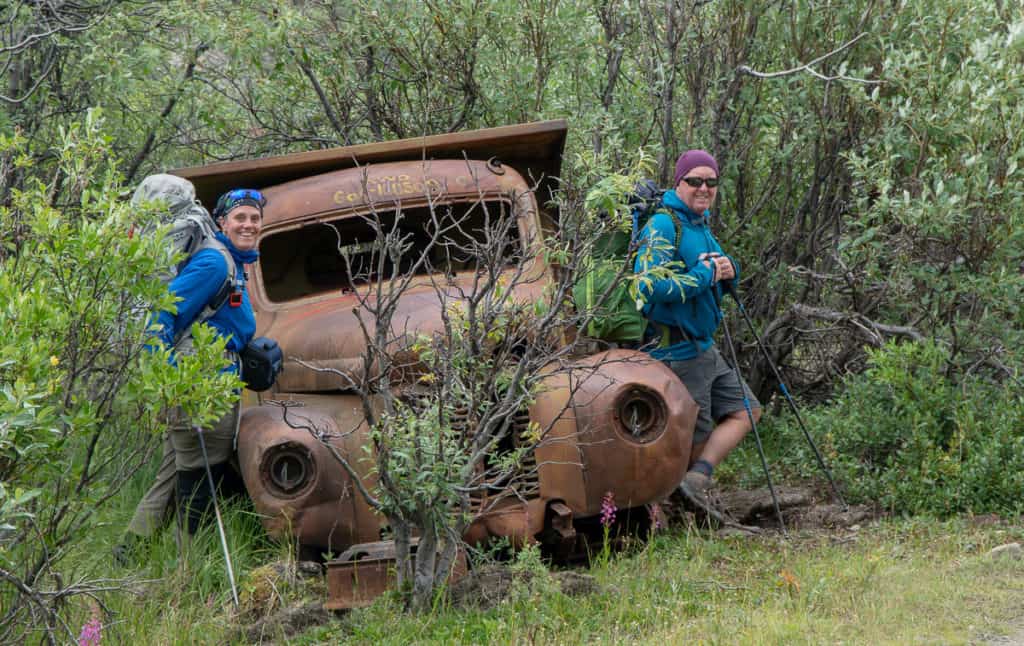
684	316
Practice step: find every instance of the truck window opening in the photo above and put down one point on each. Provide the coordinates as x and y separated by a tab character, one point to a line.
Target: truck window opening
314	260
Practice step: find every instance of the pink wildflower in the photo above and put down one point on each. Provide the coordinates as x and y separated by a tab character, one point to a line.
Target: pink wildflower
654	511
92	631
608	509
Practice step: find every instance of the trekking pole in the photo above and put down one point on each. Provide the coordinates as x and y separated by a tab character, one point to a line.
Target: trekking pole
731	290
753	427
216	512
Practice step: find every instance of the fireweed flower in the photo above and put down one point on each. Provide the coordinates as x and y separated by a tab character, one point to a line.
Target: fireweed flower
654	512
92	631
608	509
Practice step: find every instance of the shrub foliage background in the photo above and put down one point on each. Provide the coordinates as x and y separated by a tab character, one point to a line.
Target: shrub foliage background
909	437
877	188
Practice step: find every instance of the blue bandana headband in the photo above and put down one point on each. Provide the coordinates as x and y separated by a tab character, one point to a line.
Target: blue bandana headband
238	197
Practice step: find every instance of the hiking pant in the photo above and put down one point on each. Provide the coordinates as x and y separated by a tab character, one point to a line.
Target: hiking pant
181	452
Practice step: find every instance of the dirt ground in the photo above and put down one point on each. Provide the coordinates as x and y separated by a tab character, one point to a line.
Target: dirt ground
1015	638
801	508
489	586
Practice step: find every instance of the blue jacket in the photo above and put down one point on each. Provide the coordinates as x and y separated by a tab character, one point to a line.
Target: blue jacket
196	284
694	308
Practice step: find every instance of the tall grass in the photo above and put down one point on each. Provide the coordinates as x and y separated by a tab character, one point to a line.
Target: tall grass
174	595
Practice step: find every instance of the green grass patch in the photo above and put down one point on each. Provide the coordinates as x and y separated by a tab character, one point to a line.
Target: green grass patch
898	582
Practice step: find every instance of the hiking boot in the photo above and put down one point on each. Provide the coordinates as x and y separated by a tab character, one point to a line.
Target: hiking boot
695	493
126	551
122	555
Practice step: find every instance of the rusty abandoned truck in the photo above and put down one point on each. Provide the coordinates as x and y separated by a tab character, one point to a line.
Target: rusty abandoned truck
303	300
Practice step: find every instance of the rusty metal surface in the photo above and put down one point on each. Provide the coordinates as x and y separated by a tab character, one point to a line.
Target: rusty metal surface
382	186
324	509
534	149
357	583
365	571
328	335
563	533
635	470
411	183
619	422
517	521
592	450
589	453
322	329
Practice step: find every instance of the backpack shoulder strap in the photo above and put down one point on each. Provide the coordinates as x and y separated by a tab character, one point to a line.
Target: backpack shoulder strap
677	224
223	293
680	226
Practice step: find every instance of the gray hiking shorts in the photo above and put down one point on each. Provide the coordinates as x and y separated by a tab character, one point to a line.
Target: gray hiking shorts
714	386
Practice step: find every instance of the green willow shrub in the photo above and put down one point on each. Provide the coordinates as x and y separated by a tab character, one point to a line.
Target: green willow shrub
79	392
914	438
937	189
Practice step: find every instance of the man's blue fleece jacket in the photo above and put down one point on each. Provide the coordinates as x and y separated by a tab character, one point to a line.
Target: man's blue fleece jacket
694	308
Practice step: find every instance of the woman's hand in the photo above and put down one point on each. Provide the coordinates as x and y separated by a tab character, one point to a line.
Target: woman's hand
721	265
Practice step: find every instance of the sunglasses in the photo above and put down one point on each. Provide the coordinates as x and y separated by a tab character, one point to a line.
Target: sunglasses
239	194
695	182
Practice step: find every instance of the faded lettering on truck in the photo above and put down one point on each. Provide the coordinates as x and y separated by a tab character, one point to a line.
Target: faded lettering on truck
395	186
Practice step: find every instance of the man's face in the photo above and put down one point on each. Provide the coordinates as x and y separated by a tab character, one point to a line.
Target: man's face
698	198
242	226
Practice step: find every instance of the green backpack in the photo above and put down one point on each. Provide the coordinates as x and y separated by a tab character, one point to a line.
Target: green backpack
620	318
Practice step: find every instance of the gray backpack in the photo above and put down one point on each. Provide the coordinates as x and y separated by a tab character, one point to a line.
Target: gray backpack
191	230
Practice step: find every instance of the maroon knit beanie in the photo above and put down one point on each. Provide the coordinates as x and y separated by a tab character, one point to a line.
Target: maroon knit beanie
692	159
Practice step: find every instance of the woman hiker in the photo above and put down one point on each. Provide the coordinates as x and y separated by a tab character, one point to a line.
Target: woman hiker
182	472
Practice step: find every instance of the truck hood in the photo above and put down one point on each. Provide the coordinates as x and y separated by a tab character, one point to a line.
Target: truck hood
329	338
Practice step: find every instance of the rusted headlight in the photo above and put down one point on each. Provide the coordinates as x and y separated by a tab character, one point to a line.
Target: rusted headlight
641	414
287	469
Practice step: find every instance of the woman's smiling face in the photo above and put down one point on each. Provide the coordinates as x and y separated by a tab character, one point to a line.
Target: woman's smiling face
242	226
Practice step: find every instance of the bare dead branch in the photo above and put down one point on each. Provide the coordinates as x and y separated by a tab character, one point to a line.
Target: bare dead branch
324	439
809	67
172	100
873	330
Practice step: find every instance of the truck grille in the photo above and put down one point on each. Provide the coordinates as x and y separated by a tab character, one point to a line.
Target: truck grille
523	483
